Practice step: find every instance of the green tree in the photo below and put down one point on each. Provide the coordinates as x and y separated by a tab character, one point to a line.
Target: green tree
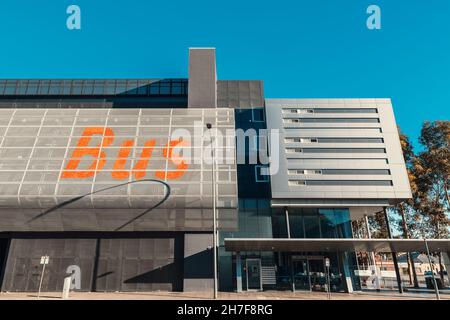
407	224
431	169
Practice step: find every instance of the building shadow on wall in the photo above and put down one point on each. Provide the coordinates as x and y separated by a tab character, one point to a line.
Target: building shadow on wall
197	266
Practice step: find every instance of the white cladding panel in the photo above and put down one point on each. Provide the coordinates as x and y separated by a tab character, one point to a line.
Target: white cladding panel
341	149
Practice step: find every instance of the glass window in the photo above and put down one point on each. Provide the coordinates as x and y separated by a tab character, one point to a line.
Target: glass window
357	171
154	88
66	87
2	86
142	87
99	87
11	87
164	88
77	87
22	88
110	87
44	87
344	150
261	174
121	87
327	223
279	226
345	110
258	115
177	88
351	140
312	224
339	120
88	87
296	223
343	223
32	88
132	87
349	183
55	87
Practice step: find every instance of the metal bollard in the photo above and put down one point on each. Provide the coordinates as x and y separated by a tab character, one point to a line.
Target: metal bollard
66	288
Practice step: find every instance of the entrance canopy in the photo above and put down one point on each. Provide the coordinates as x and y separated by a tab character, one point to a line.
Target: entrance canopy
332	245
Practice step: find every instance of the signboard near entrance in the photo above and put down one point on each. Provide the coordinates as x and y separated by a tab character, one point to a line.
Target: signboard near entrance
44	259
327	262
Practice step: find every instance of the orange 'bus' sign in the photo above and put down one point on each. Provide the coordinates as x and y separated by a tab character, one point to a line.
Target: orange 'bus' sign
71	170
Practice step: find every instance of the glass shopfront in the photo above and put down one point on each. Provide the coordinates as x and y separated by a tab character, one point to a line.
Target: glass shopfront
307	272
290	270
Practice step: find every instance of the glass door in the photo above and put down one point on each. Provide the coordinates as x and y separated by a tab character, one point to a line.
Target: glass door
300	274
317	274
253	274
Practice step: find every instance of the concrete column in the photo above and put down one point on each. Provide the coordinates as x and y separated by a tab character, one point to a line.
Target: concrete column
238	272
202	90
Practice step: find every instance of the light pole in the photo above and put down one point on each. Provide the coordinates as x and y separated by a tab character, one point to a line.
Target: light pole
213	179
436	289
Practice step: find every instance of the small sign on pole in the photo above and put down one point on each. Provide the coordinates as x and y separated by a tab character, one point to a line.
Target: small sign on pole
44	259
327	262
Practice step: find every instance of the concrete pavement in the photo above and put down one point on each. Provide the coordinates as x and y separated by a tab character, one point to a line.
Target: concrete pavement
266	295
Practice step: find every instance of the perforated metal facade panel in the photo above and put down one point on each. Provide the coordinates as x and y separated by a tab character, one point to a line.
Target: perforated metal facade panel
240	94
51	155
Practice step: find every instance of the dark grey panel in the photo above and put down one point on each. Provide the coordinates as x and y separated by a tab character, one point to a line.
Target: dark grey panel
23	269
198	262
4	245
240	94
119	264
138	265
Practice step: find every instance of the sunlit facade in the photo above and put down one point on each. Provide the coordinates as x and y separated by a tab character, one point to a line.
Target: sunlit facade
90	175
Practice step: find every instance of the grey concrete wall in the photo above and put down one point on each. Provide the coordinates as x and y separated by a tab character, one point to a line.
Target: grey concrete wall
202	92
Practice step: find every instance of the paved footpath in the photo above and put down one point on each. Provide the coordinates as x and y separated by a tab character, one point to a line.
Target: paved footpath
266	295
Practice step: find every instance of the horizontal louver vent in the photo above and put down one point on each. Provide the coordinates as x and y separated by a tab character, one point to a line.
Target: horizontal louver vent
268	275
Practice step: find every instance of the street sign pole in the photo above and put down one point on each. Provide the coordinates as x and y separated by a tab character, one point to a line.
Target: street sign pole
44	262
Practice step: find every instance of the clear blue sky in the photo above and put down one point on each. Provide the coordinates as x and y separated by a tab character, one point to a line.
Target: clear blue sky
314	48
